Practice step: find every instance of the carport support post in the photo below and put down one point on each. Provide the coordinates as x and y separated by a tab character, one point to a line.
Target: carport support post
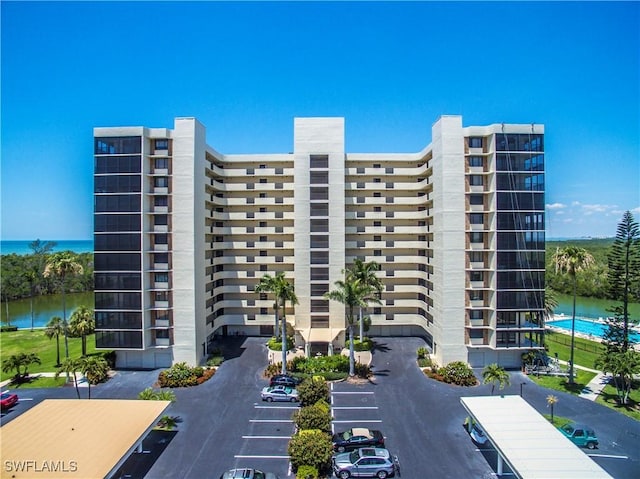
499	471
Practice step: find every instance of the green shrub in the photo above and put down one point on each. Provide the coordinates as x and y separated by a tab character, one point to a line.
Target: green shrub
316	416
459	373
311	448
307	472
365	345
215	361
8	329
276	345
181	375
423	353
310	391
110	358
320	364
424	362
362	370
150	394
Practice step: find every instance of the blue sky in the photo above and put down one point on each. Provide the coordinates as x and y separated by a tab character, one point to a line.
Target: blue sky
246	70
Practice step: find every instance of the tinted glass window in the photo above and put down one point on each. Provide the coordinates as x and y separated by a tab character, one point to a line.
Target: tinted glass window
117	203
117	145
119	339
117	184
109	222
117	164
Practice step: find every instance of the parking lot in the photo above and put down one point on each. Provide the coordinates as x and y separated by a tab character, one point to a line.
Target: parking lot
224	424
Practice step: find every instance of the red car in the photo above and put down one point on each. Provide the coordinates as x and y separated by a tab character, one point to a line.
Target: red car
8	400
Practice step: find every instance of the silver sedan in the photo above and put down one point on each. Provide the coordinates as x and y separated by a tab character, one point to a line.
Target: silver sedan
279	393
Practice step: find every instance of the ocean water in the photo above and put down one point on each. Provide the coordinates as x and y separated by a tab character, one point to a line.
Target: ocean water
21	247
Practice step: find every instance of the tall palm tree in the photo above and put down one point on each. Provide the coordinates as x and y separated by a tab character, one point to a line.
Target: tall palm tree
551	401
286	293
55	328
571	260
352	294
60	266
495	374
31	274
271	284
82	323
366	274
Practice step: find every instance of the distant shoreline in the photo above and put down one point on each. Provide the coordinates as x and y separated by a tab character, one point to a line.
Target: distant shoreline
21	247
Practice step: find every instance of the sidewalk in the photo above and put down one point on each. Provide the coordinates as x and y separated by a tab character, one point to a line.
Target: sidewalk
592	390
82	381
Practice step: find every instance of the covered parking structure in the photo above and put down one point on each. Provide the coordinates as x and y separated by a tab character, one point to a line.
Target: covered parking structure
524	440
76	438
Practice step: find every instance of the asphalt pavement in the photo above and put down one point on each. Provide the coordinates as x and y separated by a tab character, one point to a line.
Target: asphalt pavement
223	423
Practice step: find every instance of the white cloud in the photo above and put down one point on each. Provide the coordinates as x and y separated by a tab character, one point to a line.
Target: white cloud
556	206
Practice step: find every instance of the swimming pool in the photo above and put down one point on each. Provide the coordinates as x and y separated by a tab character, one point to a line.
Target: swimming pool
587	327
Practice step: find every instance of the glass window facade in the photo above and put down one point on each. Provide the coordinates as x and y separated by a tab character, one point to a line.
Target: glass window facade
117	240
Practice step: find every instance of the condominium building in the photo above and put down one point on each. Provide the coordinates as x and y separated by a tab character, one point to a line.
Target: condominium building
183	235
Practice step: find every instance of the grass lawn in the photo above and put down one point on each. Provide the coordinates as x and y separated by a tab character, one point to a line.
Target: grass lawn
585	352
558	421
42	382
560	383
608	397
29	341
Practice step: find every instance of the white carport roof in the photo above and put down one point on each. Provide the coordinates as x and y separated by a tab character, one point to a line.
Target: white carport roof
531	446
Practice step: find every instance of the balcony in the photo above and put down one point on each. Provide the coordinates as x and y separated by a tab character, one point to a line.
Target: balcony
163	342
161	285
161	304
161	323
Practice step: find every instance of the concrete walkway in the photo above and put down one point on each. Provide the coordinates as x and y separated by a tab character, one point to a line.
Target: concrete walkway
82	381
593	389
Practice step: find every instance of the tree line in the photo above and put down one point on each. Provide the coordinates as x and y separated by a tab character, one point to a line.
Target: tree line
592	282
23	276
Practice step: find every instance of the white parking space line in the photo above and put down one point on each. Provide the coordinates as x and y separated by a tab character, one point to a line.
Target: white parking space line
608	456
25	399
357	420
277	407
352	392
355	407
270	420
261	457
266	437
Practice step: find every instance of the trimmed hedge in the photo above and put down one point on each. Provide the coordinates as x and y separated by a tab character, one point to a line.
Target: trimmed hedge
365	345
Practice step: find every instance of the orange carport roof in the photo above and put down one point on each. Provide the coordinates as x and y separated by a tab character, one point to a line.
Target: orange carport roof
75	438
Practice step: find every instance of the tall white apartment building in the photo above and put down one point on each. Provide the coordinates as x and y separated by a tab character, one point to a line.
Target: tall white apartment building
184	233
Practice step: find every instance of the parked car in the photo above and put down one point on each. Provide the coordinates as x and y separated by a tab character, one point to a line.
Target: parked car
364	462
279	393
580	435
477	435
247	473
8	400
356	438
284	380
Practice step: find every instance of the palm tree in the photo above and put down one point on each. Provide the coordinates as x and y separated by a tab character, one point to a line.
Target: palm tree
31	275
55	328
352	294
623	365
495	374
94	368
70	366
366	274
551	401
287	293
571	260
82	323
271	284
17	362
61	266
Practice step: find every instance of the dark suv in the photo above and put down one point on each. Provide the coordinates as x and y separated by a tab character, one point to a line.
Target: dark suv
284	380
